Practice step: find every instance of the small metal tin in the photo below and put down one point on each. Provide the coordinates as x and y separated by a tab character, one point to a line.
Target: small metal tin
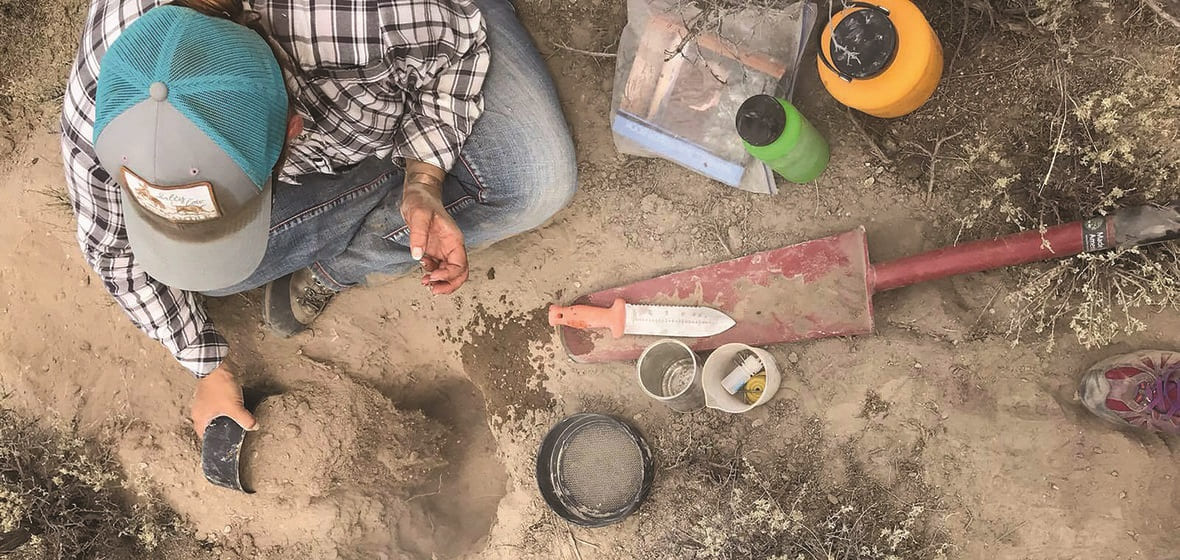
670	372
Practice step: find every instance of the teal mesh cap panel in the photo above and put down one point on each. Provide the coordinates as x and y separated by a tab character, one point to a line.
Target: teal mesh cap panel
222	76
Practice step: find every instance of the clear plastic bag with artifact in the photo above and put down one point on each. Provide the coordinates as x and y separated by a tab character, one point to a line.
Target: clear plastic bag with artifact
683	70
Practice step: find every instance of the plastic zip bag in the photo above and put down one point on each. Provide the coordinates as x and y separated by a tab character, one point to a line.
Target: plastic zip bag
682	73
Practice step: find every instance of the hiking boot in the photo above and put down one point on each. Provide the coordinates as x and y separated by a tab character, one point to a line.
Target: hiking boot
1140	390
292	302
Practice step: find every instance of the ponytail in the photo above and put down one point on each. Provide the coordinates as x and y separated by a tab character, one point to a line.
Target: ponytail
232	10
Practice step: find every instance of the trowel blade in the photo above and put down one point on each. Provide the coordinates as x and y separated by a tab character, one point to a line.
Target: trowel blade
675	320
220	452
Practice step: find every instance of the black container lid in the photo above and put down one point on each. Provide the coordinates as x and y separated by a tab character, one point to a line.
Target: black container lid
864	42
761	120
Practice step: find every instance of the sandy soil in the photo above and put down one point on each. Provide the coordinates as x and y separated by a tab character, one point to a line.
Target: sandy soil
935	402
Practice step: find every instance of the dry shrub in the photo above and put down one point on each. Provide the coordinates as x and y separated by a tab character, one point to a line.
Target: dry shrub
62	497
806	501
1111	143
1048	15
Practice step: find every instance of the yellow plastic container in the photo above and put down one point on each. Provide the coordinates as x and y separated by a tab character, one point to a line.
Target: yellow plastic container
882	58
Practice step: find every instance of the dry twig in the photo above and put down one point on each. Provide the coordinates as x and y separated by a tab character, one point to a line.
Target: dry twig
595	54
416	496
1162	13
1056	147
933	155
877	151
574	543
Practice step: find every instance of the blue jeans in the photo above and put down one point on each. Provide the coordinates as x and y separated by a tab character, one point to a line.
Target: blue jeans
516	170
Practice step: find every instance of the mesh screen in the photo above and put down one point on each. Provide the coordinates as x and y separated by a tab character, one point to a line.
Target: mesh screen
601	467
220	75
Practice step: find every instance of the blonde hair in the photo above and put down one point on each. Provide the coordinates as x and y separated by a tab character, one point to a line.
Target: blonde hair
232	10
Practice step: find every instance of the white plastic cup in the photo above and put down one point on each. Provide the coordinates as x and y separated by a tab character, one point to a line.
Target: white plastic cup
720	364
670	372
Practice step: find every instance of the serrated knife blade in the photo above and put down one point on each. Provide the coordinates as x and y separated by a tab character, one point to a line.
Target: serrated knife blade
675	320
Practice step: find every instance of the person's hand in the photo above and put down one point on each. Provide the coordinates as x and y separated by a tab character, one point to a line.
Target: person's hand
218	394
435	239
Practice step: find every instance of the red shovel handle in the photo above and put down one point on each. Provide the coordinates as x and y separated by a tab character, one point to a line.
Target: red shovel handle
590	317
1128	227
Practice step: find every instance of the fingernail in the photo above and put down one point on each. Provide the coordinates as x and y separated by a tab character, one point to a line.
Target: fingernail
416	253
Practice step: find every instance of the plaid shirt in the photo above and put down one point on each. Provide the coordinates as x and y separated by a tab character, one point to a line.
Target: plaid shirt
398	78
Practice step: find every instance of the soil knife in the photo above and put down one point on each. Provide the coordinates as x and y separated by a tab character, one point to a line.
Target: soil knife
653	320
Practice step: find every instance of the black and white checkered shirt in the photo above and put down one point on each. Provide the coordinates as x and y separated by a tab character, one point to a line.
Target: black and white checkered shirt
398	78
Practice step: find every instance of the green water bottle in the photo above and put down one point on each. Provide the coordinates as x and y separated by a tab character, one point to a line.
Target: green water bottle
775	132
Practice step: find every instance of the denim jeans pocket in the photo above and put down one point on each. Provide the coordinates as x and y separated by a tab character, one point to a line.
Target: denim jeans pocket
306	201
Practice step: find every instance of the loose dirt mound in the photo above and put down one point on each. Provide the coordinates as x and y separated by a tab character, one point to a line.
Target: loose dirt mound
333	466
323	438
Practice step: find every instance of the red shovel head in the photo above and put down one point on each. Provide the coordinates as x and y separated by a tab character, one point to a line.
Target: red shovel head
811	290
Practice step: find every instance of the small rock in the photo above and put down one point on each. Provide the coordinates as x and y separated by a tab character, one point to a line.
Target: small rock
649	203
869	182
735	237
1123	495
85	346
1114	474
793	358
918	365
492	273
1054	486
577	284
226	530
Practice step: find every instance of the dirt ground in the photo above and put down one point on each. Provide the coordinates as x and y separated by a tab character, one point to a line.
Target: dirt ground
935	425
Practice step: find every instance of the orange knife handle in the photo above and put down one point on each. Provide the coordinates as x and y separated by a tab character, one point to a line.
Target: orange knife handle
590	317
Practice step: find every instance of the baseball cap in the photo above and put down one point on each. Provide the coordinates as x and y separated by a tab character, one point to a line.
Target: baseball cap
190	120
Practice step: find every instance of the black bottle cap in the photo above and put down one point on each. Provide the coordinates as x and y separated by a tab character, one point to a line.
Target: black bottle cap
761	120
864	42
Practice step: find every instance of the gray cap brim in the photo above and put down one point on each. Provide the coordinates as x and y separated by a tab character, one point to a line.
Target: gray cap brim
159	145
199	265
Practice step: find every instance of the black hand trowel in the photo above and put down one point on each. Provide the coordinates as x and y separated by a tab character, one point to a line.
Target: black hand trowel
221	452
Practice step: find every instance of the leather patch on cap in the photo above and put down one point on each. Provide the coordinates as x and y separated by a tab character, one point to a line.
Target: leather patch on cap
181	204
